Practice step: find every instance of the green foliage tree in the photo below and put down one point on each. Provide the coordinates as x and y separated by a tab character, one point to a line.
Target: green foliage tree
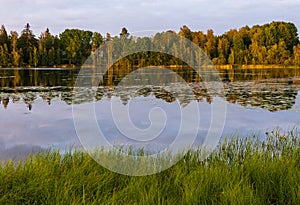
77	45
124	33
277	31
210	45
4	39
186	32
273	43
45	41
296	59
278	54
199	38
14	50
35	57
70	41
85	46
223	47
5	44
257	54
97	40
27	42
238	48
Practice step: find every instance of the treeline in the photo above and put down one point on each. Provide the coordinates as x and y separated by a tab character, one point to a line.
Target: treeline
274	43
72	47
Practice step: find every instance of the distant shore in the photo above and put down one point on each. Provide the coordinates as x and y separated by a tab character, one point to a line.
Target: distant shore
46	67
255	66
227	66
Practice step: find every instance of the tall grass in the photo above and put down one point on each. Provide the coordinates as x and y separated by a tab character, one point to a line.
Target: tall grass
240	171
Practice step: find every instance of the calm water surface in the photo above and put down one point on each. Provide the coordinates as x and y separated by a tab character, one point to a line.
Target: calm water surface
36	106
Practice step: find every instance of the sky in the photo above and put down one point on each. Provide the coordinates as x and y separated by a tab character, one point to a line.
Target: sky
144	15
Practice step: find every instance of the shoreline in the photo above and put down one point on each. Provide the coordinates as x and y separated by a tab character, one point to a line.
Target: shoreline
247	171
44	67
221	67
256	66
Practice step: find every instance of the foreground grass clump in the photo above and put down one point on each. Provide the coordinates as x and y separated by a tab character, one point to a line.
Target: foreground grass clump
241	171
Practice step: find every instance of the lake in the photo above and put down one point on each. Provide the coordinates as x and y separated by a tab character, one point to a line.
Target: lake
36	106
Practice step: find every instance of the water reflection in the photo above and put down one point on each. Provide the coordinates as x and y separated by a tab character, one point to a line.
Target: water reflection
270	89
36	111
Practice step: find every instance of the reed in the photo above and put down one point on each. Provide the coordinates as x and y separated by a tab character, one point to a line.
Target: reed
242	170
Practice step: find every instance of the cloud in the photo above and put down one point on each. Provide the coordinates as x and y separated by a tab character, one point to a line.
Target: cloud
110	16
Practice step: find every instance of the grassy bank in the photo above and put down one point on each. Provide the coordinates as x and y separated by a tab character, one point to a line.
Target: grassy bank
247	171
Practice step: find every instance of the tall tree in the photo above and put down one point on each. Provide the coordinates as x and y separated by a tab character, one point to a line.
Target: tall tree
97	40
71	44
27	42
278	54
296	51
276	31
5	58
210	46
58	50
223	47
46	41
108	37
14	49
258	53
199	38
4	39
124	32
77	44
238	48
186	32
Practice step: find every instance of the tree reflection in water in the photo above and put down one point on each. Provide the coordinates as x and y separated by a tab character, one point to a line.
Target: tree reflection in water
270	89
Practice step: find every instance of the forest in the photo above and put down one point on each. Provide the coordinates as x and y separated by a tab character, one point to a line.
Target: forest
275	43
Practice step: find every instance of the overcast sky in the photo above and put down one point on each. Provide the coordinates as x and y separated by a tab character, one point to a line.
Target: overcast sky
139	15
